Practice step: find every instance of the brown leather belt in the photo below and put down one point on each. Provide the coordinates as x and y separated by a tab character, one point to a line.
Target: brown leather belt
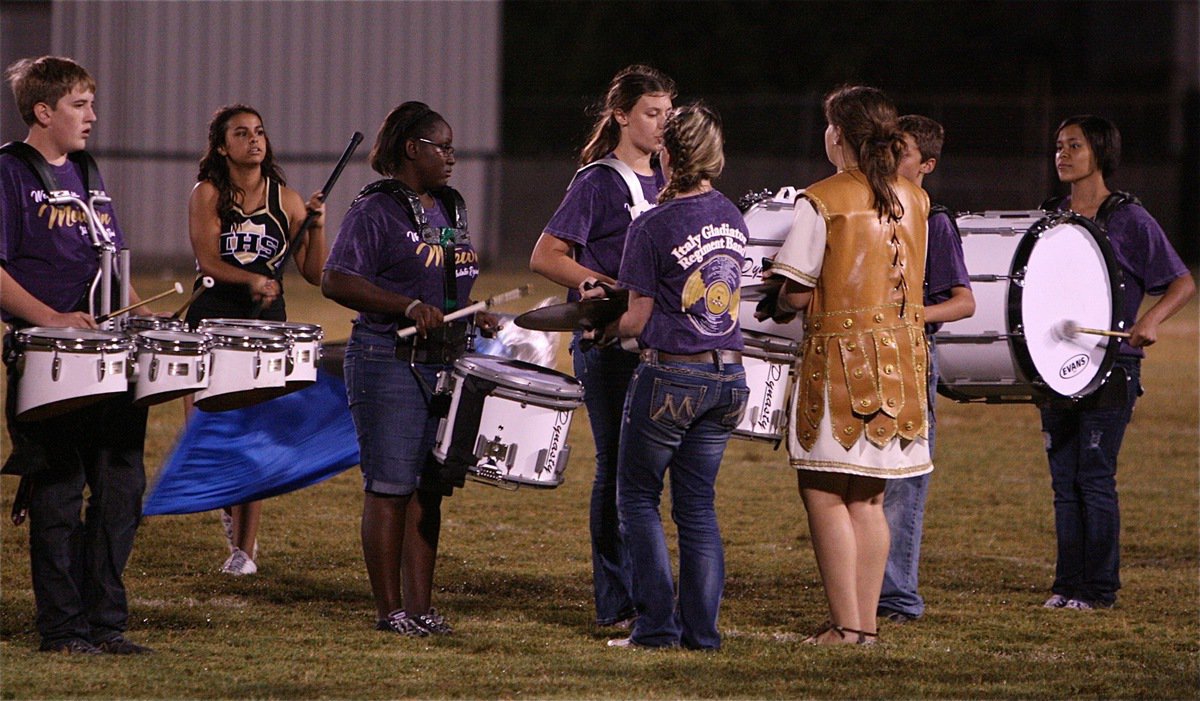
716	357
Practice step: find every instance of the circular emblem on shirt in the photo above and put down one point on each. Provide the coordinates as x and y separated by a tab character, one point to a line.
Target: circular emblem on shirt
711	295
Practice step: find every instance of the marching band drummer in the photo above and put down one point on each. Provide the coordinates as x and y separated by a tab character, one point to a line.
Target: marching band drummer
1083	438
242	222
582	243
855	259
47	266
682	267
402	259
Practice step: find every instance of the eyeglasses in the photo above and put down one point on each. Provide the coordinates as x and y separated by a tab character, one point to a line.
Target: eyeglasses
446	150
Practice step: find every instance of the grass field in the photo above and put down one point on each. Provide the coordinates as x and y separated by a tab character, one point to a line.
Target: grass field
514	578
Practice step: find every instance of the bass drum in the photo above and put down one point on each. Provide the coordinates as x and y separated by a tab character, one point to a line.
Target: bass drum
1032	274
769	220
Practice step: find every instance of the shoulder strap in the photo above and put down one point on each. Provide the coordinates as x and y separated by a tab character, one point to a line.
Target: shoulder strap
454	204
87	166
639	204
1053	203
33	158
935	208
1111	204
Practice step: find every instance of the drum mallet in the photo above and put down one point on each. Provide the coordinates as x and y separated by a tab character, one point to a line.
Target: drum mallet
488	303
205	283
177	289
1067	329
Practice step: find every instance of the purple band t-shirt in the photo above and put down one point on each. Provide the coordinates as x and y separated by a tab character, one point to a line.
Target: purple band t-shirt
945	268
1146	257
379	242
687	255
47	248
593	216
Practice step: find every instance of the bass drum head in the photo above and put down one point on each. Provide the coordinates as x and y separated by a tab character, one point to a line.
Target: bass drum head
1068	273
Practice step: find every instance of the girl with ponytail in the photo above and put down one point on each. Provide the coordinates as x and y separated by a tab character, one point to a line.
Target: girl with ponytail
580	246
855	259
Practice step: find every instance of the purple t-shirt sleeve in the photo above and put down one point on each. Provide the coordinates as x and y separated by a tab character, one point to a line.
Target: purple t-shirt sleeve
1143	249
945	268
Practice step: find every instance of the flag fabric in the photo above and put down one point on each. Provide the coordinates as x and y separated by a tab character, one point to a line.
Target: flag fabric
272	448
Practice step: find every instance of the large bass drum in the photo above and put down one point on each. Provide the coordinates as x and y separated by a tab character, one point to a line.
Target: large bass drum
769	220
1032	274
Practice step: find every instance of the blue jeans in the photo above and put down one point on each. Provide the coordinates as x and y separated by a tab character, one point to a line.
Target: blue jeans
904	508
678	416
605	374
1082	444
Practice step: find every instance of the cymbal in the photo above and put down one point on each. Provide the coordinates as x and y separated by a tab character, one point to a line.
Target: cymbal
584	314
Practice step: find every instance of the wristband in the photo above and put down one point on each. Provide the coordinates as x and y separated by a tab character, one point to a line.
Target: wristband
411	306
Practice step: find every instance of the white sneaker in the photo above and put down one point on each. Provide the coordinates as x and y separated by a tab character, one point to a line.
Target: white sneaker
1056	602
239	563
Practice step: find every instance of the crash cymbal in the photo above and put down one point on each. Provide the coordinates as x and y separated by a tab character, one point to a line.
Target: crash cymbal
584	314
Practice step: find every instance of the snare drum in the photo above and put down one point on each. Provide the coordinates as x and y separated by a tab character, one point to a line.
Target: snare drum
247	366
170	364
66	368
769	220
1029	273
305	351
508	421
769	367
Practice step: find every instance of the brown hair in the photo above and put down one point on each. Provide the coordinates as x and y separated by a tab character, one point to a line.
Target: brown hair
45	79
626	88
868	120
927	133
215	168
692	137
409	120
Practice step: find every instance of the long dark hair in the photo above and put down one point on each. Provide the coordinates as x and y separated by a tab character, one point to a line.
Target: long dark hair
692	136
626	88
408	120
215	169
869	124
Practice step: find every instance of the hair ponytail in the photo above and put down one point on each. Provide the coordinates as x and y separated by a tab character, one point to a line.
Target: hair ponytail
626	88
870	127
693	139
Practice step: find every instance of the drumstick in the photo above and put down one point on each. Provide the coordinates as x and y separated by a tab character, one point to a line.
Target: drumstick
488	303
1069	329
205	283
355	140
177	289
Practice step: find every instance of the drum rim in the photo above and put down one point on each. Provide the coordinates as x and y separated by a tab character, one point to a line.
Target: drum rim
461	366
197	342
1021	255
297	330
57	337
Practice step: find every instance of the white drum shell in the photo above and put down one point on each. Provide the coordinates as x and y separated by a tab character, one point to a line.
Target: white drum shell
304	355
66	369
522	434
247	366
769	365
170	364
769	222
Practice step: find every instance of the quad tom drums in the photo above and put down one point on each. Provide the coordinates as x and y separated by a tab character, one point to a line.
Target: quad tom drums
508	421
66	369
769	220
304	353
170	364
1031	275
769	364
248	366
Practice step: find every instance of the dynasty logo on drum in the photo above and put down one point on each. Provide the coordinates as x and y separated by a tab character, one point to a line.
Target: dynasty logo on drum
713	289
248	242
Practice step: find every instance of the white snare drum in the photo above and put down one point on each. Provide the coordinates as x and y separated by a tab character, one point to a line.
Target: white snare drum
1030	273
769	367
170	364
247	366
66	368
769	220
132	325
508	421
305	351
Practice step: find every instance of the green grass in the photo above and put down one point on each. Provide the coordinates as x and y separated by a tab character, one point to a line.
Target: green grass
514	578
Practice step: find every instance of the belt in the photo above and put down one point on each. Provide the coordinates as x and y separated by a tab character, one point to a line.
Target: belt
716	357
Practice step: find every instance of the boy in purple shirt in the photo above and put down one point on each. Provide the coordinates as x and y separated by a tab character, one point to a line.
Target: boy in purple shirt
948	297
48	262
1083	438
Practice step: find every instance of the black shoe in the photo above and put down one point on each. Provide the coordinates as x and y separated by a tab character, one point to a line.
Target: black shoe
120	646
74	646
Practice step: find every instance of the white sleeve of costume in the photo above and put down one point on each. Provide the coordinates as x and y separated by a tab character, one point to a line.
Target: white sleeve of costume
803	251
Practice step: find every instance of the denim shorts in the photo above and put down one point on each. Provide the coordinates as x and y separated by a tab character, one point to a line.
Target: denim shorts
396	433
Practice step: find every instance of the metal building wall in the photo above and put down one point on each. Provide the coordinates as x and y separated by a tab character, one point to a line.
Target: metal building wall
317	71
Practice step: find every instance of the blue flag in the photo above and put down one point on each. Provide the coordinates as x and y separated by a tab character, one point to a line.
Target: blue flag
275	447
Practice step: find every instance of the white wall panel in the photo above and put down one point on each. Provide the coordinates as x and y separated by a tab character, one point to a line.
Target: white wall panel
318	71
